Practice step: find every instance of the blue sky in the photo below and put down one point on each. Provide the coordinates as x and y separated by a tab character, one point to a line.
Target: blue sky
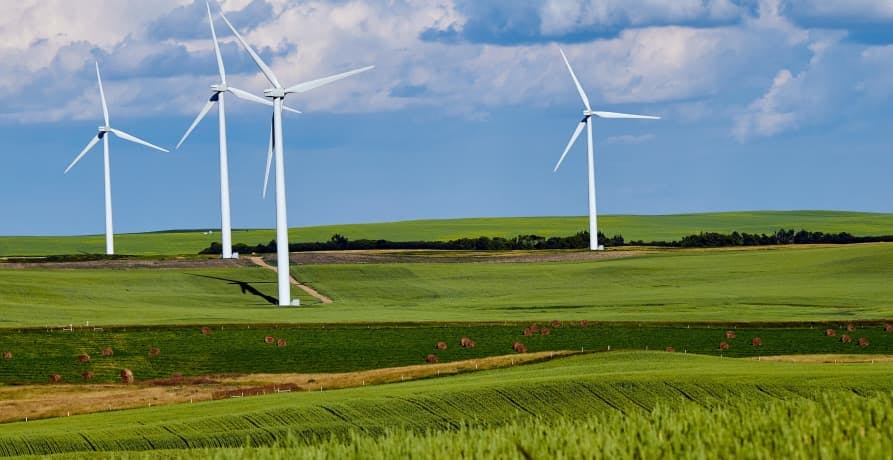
767	104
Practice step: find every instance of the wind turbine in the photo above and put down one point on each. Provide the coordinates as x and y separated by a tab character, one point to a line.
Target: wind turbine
278	93
217	92
587	123
103	134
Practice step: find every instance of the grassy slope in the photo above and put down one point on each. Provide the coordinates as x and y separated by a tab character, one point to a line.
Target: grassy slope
646	228
311	349
778	284
573	387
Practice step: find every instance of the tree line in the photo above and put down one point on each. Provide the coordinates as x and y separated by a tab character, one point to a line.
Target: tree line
340	242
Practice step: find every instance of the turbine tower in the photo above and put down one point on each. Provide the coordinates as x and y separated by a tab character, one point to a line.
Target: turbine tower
103	134
586	122
278	93
217	91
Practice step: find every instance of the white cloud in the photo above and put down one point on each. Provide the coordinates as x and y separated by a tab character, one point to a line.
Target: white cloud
563	16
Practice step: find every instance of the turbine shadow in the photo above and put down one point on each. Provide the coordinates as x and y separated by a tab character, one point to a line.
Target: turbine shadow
247	288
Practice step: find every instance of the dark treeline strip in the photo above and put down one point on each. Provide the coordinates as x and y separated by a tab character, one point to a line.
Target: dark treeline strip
578	241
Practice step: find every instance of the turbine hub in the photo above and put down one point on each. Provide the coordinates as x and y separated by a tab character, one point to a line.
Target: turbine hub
104	129
275	93
221	88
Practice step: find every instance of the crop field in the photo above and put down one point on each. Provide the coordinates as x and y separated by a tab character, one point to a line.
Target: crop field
577	388
647	228
37	354
838	283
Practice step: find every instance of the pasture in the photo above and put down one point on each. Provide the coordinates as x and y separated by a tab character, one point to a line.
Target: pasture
632	227
576	388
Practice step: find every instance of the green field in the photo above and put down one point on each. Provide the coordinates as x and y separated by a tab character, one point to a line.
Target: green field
848	282
647	228
577	388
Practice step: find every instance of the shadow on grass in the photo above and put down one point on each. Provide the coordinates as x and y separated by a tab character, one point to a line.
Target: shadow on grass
247	287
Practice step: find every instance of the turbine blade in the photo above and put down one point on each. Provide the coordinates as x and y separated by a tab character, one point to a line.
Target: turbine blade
132	138
257	60
89	146
576	82
245	95
307	86
623	115
269	160
220	67
198	119
570	144
105	107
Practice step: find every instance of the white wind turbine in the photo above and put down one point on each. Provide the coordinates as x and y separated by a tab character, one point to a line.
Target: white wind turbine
587	123
103	134
278	93
217	96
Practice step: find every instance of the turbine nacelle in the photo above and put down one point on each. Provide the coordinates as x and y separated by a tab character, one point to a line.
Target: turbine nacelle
275	93
220	88
104	129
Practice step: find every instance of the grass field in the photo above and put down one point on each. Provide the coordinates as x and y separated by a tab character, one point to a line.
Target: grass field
37	354
575	388
647	228
778	284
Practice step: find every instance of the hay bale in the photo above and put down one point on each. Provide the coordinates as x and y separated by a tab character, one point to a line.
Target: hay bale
465	341
87	376
669	349
281	343
730	334
206	330
888	328
850	327
556	323
545	331
527	332
154	352
830	332
431	359
84	358
534	327
757	342
584	323
470	344
107	352
441	346
863	342
845	338
55	378
7	355
269	339
519	347
723	345
126	376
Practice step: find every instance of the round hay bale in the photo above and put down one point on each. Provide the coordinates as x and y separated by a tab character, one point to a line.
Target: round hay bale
730	334
470	344
55	378
441	346
431	359
723	345
888	328
7	355
534	327
281	343
584	323
669	349
465	341
863	342
519	347
206	330
757	342
845	338
84	358
107	352
830	332
556	323
126	376
850	327
545	331
527	332
87	376
154	352
269	339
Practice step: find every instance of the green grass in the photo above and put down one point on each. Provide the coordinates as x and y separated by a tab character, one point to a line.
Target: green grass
575	388
38	354
667	227
779	284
